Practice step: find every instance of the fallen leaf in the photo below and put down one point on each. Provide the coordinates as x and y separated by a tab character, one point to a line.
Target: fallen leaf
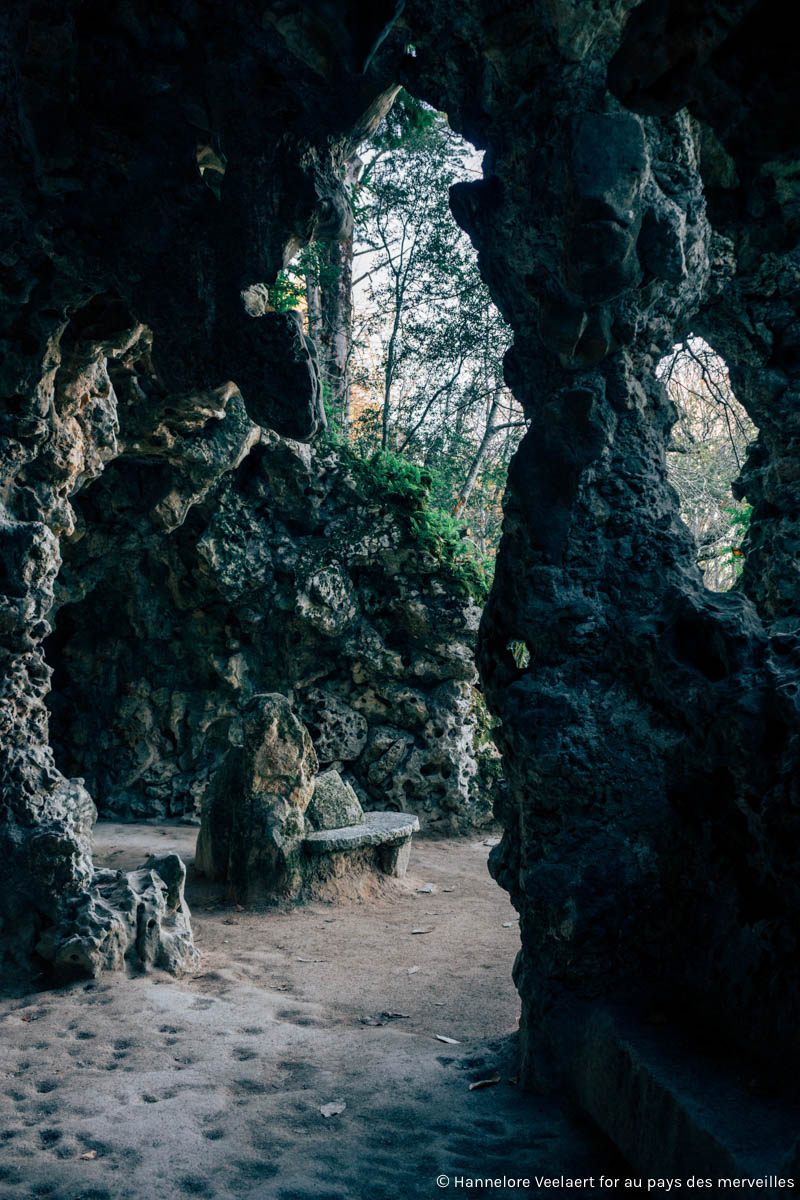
396	1016
333	1109
509	924
439	1003
374	1021
427	888
89	1155
422	931
484	1083
313	960
448	889
230	922
411	970
240	908
450	1041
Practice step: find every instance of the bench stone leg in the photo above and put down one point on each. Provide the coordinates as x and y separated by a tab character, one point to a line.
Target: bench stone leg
394	859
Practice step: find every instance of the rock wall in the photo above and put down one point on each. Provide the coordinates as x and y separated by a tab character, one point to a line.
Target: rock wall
110	227
640	179
286	573
650	742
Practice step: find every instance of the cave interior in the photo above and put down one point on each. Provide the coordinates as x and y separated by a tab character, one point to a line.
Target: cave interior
168	509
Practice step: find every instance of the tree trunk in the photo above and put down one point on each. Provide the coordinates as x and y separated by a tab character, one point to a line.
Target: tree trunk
336	327
480	454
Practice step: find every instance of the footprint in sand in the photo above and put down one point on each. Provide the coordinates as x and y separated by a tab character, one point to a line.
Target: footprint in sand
256	1170
149	1098
296	1017
248	1087
243	1053
195	1185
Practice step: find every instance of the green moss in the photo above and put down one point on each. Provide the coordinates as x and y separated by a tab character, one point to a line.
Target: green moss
405	488
488	758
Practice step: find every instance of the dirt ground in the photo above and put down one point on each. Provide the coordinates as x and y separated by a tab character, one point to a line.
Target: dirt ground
213	1085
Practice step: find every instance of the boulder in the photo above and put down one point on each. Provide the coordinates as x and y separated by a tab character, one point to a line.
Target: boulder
334	803
253	823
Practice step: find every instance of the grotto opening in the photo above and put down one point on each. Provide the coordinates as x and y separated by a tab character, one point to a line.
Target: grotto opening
176	539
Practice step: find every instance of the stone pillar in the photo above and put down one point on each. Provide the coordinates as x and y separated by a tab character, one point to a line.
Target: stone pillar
253	822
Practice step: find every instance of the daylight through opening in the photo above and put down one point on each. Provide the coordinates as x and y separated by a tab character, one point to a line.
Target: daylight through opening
705	455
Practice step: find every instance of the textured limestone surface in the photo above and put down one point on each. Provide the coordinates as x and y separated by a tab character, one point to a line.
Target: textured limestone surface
276	570
333	803
376	829
253	823
137	918
640	181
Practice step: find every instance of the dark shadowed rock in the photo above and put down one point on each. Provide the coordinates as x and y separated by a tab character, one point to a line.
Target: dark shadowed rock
154	170
271	360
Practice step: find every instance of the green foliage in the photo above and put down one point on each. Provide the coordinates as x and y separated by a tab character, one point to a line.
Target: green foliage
732	556
740	515
405	124
314	263
427	362
286	293
520	653
406	487
490	761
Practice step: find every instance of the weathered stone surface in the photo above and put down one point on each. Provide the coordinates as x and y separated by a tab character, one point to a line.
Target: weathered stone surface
376	829
278	360
333	804
650	740
338	731
253	823
137	919
670	1108
259	564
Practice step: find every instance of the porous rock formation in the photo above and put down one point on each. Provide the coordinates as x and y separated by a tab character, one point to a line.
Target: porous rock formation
274	829
640	180
254	820
256	564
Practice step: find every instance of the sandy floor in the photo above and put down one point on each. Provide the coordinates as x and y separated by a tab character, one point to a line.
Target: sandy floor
213	1085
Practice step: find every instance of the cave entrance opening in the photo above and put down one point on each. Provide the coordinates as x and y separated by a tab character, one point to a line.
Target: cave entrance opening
410	345
210	564
705	456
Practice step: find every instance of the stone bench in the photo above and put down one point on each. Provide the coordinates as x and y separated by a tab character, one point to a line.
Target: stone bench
387	832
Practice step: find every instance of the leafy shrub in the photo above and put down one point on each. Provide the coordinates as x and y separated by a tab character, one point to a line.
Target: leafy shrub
406	488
